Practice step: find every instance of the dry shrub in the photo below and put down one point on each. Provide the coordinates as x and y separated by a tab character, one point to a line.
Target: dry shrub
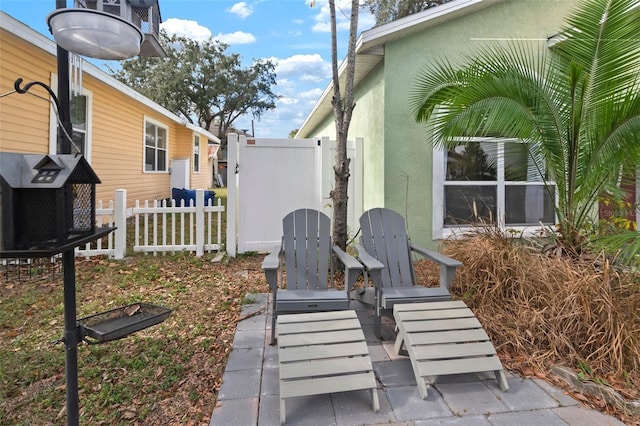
541	310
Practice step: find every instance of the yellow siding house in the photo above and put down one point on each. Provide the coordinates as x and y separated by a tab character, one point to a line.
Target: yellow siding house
130	141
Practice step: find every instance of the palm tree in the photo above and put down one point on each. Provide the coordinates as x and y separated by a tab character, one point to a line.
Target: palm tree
576	105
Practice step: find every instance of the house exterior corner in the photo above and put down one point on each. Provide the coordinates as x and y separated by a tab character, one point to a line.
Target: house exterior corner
398	152
129	140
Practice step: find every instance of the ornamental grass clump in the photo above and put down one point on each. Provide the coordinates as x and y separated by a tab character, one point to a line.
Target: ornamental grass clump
543	310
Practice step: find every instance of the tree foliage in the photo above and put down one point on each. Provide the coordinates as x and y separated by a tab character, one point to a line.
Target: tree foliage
576	106
390	10
202	83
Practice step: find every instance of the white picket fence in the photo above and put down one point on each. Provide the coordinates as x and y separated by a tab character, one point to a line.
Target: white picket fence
167	227
105	217
113	244
160	227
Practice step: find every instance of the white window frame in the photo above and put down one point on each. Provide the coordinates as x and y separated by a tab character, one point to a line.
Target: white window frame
53	121
196	153
144	146
439	230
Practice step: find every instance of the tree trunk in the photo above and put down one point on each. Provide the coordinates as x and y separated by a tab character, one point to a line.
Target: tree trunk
339	194
343	109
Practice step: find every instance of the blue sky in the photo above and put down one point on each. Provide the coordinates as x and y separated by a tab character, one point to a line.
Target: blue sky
294	35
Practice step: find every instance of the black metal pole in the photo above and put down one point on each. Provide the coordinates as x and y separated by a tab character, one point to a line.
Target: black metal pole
64	144
71	333
71	337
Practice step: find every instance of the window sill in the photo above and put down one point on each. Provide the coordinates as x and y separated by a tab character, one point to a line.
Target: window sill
509	231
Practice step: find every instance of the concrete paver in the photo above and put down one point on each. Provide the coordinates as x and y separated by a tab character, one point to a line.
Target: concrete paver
523	395
583	416
532	417
557	394
244	358
240	384
354	408
407	405
311	410
235	412
470	398
250	390
455	421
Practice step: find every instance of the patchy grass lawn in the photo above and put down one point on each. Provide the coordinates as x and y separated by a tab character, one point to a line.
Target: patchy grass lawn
166	374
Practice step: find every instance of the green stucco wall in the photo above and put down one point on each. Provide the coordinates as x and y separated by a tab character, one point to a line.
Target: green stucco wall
407	160
368	124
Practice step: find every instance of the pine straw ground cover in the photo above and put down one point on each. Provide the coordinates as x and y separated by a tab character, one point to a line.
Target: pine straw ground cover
168	374
541	311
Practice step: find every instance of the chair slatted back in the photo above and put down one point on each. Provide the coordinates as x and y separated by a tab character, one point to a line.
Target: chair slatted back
307	247
384	236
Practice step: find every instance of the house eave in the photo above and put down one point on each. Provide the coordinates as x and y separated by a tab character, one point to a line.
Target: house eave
383	34
203	132
371	44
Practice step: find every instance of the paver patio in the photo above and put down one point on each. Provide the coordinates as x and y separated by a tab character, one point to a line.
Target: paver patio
249	394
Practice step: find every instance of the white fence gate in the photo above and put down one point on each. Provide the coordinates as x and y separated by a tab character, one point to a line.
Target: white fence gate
268	178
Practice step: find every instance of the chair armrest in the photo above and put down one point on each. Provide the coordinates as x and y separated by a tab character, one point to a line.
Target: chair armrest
370	263
270	266
347	260
435	256
272	260
352	268
447	265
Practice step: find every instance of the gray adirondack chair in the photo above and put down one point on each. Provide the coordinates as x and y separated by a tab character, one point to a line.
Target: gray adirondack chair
386	253
300	271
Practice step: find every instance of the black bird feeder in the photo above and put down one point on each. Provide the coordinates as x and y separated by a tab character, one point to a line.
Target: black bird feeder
48	207
48	202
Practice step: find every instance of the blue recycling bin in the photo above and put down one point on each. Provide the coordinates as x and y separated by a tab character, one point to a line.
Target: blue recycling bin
189	195
177	194
209	195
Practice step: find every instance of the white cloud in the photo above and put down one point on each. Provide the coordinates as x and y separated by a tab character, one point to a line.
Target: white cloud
366	20
310	97
195	31
186	28
242	10
323	18
343	17
297	21
238	37
288	101
301	79
310	67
